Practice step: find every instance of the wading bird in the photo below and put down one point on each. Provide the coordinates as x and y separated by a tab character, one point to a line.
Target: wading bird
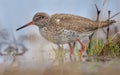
65	28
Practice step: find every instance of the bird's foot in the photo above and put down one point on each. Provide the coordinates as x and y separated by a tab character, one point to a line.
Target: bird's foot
82	48
71	51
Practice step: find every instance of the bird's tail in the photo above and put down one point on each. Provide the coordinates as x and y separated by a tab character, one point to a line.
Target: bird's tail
106	23
102	24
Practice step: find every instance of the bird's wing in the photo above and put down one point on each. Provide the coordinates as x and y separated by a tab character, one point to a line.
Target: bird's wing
72	22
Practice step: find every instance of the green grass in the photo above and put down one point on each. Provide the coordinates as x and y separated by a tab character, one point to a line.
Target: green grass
99	48
95	47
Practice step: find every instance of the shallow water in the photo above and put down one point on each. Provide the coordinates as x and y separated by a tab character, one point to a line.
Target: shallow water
41	59
44	58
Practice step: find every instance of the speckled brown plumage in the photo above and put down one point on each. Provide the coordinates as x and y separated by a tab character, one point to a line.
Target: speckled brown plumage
65	28
76	23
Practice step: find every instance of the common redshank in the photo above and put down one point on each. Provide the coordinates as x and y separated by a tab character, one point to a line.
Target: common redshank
65	28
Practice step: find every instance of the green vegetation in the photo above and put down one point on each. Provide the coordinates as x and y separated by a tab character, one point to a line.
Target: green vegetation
99	48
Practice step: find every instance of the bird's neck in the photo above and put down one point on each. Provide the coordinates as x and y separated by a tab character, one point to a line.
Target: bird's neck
43	24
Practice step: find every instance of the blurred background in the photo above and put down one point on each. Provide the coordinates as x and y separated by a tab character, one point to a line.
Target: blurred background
33	51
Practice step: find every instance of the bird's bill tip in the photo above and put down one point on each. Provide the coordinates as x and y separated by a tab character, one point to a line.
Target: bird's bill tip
28	24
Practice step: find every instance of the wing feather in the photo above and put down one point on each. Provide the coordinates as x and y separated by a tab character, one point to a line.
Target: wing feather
72	22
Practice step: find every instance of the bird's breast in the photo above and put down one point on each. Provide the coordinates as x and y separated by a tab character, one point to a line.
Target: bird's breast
59	36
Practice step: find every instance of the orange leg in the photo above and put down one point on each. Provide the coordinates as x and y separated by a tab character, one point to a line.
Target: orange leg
83	47
71	51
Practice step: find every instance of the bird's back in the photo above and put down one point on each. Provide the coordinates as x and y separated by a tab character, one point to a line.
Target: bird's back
77	23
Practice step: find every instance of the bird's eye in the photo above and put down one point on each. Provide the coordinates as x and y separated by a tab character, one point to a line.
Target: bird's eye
40	17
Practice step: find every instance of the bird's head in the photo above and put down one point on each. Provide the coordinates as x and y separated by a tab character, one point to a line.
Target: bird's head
40	19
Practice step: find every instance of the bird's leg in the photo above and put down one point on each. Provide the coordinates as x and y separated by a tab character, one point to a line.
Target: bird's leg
71	50
74	45
83	47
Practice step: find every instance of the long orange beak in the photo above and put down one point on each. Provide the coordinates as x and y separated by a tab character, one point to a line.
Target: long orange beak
28	24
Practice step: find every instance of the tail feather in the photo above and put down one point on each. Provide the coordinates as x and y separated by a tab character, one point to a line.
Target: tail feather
102	24
107	23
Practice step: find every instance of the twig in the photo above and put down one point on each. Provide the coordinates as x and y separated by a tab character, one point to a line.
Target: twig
113	16
104	31
98	13
90	37
109	19
108	29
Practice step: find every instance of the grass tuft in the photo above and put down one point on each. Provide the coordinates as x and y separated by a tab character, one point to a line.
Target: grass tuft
99	48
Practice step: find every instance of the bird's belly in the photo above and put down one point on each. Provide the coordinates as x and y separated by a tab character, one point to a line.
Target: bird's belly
63	37
67	36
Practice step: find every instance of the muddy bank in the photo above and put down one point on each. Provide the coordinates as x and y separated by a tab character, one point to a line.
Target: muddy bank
70	68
